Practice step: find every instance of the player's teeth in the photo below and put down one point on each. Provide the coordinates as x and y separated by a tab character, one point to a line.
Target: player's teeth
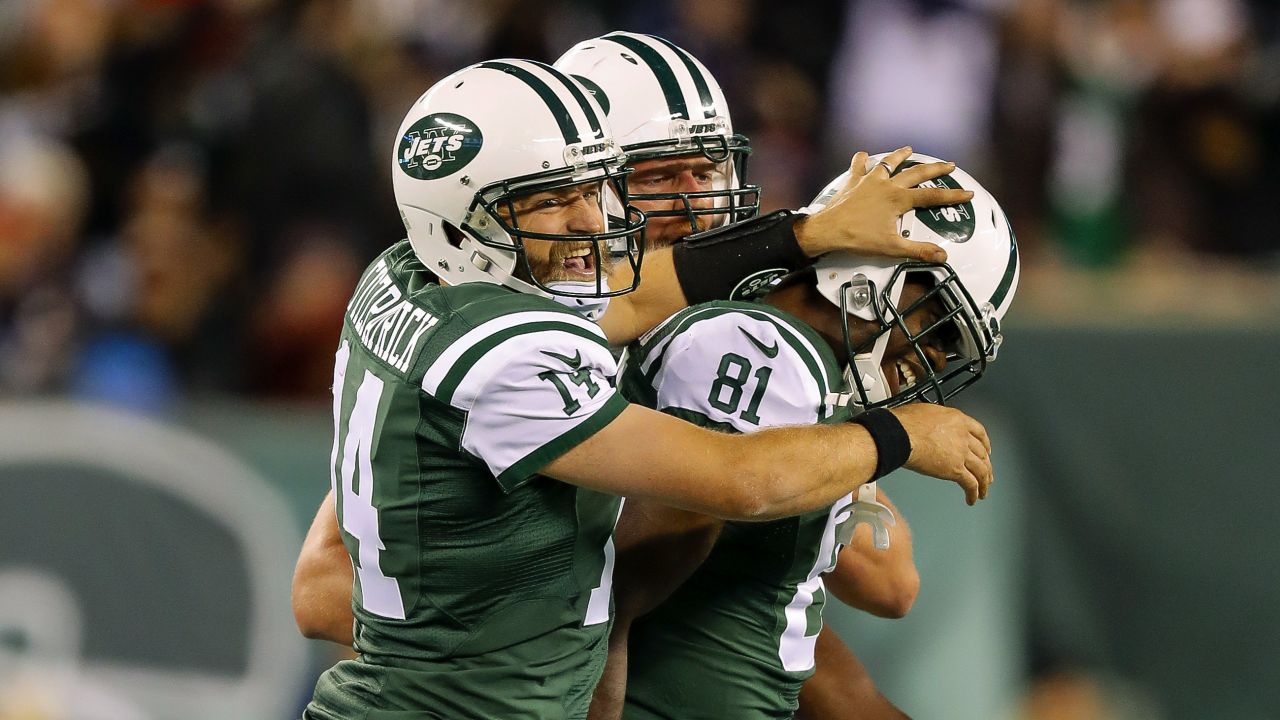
908	376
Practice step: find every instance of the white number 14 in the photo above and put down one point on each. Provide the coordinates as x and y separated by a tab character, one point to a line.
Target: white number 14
380	594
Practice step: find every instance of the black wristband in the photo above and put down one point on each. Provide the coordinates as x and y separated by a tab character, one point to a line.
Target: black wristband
893	445
739	261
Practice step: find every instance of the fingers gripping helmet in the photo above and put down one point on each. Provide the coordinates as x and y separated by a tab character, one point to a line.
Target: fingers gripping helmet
975	287
663	103
490	133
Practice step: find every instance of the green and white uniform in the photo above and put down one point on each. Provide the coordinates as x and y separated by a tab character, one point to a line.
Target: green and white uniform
482	590
737	639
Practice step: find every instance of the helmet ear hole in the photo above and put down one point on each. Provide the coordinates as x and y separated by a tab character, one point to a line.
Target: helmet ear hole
453	234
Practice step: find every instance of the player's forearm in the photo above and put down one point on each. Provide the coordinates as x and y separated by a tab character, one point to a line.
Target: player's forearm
884	583
713	265
658	297
773	473
322	580
840	686
322	611
611	691
658	547
794	470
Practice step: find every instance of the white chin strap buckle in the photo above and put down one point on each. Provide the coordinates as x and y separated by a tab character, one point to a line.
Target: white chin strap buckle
876	514
591	308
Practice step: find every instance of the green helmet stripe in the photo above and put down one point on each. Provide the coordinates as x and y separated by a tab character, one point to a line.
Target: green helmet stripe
557	107
699	80
661	70
1006	282
592	119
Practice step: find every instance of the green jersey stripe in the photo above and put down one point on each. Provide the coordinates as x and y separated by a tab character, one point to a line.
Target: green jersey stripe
530	464
652	347
452	379
558	109
1010	270
803	348
446	361
699	81
661	70
652	350
700	419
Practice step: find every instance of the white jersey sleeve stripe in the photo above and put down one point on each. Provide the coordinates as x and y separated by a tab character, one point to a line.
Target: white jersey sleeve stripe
441	366
652	354
792	395
516	349
532	397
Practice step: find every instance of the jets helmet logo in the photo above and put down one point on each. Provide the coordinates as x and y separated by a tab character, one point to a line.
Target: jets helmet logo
758	284
438	145
951	222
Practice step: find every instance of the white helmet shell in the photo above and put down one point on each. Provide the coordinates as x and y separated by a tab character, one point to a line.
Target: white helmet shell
479	136
652	90
662	102
982	262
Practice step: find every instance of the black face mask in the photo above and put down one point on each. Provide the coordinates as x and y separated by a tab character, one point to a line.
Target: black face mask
495	203
737	202
955	334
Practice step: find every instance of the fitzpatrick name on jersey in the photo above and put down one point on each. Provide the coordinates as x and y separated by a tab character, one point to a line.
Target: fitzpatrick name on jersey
388	325
481	588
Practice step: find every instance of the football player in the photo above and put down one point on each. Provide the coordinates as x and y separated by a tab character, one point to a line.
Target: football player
689	175
737	638
480	446
673	122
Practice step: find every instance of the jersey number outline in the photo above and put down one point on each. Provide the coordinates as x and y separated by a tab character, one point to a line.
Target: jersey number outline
803	613
733	373
581	376
598	602
379	594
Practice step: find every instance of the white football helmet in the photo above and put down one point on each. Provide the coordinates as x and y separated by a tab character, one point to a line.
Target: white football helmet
492	132
663	103
976	286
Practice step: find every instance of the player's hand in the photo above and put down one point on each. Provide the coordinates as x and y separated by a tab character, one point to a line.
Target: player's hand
862	218
948	445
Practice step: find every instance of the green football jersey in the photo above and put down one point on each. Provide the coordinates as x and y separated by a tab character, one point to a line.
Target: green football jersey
736	640
482	590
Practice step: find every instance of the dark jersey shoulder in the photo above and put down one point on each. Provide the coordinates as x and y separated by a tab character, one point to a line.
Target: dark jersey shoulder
403	317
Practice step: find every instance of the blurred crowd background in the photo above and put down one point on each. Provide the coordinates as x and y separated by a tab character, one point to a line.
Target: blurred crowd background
189	189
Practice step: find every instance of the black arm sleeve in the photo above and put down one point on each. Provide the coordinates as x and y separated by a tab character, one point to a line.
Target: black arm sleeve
739	261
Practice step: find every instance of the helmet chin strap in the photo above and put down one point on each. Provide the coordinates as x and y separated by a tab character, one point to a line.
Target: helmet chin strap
591	308
867	508
867	369
867	373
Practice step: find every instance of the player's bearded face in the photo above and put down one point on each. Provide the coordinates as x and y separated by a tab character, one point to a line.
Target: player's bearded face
687	174
574	210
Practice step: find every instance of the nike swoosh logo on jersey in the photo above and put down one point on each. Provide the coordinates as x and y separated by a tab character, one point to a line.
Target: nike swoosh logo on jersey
769	351
574	362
